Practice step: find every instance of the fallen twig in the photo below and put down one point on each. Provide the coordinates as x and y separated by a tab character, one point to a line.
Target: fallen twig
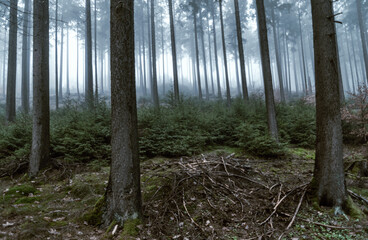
296	210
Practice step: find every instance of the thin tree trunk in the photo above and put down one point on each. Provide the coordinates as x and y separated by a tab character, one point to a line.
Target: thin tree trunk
197	52
89	69
266	69
41	107
237	74
154	89
173	51
96	78
163	55
362	29
78	65
203	53
303	59
61	60
102	71
350	62
241	51
149	47
219	94
228	96
123	194
12	62
67	63
210	50
278	60
56	56
25	59
4	60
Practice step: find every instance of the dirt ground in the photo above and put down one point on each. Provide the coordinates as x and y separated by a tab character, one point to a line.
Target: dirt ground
221	194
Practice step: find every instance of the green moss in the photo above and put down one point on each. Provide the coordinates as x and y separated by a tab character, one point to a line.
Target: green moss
27	200
110	228
19	190
302	153
353	210
58	224
130	228
94	217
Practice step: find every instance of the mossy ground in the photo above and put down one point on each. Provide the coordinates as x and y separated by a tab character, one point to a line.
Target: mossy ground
53	208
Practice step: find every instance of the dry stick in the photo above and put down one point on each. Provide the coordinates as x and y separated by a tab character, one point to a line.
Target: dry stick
186	210
317	223
297	210
358	196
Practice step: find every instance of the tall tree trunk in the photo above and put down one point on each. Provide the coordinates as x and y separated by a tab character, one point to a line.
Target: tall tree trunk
25	59
12	62
355	59
195	9
237	74
278	59
219	94
203	54
102	71
154	89
149	47
144	89
295	74
78	64
67	63
329	178
89	69
228	96
41	106
4	60
266	69
363	29
241	51
123	193
210	49
173	51
61	60
56	56
350	62
95	45
302	56
163	55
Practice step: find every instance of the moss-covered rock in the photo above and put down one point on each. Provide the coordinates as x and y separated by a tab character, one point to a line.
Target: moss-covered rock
94	217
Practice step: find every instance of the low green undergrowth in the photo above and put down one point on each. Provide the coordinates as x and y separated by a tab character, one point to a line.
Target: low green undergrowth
186	128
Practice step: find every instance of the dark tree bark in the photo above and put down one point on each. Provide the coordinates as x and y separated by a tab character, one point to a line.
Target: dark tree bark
154	89
219	94
41	107
195	10
228	96
12	62
266	70
89	69
241	51
329	178
363	30
173	51
25	58
56	56
123	194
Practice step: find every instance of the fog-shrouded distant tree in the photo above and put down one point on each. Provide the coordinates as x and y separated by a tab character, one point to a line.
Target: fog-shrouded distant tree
25	58
12	62
241	51
88	53
56	54
173	50
228	96
363	37
154	88
266	69
329	179
41	108
123	193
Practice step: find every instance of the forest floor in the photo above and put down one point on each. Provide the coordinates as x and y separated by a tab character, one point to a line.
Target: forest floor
220	194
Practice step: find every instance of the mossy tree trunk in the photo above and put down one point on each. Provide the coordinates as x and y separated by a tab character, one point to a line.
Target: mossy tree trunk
41	107
329	178
123	194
